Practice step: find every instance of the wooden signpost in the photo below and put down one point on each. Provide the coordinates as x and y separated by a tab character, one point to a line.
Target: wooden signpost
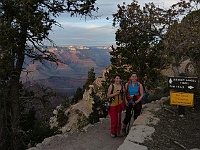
183	83
179	96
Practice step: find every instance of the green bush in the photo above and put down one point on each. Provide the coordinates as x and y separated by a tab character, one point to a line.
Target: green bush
99	109
34	130
82	120
61	118
41	131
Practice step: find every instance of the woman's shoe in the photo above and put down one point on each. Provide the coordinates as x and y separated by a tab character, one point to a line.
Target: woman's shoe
124	131
120	135
112	135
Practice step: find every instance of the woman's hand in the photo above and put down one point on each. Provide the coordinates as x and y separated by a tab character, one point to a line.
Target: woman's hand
126	103
134	103
118	92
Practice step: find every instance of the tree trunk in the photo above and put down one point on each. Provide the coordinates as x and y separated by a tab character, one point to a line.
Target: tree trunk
2	133
15	97
15	91
4	120
15	113
175	67
197	67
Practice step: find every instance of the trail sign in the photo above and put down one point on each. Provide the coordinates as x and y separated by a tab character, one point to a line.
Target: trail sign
181	98
184	83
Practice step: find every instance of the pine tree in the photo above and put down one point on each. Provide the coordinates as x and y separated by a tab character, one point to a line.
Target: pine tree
91	78
24	24
138	47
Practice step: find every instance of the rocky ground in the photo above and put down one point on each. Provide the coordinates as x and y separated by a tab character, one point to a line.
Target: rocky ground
174	132
93	137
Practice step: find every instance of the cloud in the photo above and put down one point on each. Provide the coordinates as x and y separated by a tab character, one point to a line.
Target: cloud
91	35
94	32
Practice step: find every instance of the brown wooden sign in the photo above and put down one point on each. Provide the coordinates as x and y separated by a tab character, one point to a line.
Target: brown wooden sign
184	83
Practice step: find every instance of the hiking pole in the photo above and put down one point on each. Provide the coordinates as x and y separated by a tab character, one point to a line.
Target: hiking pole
129	121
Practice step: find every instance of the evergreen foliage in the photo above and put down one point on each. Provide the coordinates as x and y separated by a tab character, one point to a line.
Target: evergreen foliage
66	102
61	118
139	48
143	42
184	41
34	130
78	96
99	109
24	24
79	92
35	111
91	78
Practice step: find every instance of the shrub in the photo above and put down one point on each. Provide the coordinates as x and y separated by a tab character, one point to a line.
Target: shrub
61	118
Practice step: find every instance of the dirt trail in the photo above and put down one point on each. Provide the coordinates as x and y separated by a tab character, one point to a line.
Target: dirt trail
96	137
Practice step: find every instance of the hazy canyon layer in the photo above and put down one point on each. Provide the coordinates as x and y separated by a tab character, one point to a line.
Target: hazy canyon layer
66	77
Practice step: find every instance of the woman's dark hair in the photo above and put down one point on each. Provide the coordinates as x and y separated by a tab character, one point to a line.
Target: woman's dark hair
132	73
117	75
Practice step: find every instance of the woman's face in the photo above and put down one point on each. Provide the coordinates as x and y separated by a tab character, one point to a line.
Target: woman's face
117	79
133	77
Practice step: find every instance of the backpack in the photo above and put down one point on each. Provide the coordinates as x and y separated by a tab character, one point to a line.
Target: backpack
127	96
111	99
138	84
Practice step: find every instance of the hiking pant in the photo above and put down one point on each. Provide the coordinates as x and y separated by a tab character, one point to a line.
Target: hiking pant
137	111
115	113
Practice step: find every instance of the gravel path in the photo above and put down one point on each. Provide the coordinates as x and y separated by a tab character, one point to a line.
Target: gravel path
171	133
96	137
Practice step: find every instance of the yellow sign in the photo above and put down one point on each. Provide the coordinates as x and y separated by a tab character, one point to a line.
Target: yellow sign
181	98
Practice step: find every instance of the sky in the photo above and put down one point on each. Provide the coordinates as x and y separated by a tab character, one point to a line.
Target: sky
77	31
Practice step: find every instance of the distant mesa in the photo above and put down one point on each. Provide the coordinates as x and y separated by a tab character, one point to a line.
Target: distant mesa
71	74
